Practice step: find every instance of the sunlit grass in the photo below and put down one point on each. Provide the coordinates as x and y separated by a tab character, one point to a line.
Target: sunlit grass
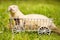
49	9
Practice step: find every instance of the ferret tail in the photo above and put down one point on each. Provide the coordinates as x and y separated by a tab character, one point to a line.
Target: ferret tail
55	29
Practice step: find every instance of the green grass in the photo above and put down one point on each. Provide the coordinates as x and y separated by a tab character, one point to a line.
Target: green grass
50	9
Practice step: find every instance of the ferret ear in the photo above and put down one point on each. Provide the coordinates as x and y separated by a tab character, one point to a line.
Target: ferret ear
51	19
14	6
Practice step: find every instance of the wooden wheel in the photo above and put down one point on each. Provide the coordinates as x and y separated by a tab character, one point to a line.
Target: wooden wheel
44	30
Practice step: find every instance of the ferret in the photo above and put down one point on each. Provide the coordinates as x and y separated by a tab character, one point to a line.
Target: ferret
32	21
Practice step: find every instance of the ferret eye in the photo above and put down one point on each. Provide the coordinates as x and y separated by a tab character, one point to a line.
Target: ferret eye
14	7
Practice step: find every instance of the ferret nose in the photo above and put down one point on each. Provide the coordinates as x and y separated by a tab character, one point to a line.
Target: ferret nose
9	9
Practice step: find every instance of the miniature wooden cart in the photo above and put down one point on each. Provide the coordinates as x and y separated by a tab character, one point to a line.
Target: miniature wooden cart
18	25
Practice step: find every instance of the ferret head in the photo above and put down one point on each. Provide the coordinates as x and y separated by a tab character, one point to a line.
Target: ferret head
13	8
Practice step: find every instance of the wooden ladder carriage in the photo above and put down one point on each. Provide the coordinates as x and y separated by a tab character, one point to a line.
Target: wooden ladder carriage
18	26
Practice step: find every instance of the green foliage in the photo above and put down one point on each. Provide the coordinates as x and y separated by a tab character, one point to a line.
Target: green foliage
50	9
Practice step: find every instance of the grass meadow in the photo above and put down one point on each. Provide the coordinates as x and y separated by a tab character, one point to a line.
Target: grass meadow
48	8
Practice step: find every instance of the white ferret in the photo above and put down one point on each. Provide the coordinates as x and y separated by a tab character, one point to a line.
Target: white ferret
43	21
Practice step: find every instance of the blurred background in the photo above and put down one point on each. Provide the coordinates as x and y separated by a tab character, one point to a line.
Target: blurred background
49	8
